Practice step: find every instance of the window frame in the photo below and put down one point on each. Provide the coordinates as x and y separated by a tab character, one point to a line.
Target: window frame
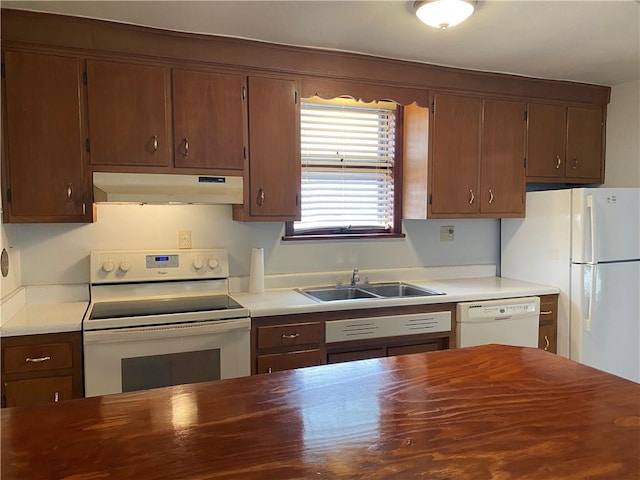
343	234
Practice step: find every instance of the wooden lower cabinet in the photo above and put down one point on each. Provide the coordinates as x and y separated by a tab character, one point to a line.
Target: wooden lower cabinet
39	369
547	334
388	347
283	342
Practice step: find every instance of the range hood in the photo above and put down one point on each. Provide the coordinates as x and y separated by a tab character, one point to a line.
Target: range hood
166	188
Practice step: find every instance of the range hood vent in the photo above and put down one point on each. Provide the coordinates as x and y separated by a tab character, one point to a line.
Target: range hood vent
166	188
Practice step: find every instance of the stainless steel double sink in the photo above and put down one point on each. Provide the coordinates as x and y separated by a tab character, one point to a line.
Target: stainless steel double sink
367	291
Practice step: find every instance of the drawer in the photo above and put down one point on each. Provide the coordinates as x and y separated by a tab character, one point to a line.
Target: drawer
36	358
548	309
38	391
287	361
290	335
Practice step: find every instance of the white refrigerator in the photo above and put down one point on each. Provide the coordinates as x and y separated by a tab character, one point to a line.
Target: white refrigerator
586	241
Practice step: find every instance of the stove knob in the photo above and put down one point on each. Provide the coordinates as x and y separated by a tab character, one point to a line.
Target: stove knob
198	263
108	266
124	266
213	263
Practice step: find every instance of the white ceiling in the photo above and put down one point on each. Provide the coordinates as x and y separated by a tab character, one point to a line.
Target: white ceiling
587	41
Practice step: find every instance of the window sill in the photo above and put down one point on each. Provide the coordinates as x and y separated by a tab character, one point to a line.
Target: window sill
343	236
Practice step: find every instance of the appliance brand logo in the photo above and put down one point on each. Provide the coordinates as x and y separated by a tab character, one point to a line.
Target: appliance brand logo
612	199
162	272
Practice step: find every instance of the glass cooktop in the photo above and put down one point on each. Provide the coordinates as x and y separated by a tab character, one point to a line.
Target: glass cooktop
162	306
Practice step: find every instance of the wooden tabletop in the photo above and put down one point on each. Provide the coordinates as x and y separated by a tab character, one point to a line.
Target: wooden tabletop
489	412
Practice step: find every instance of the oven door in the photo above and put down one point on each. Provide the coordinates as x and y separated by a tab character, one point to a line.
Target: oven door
130	359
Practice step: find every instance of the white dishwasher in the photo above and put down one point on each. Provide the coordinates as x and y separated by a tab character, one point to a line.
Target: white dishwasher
511	321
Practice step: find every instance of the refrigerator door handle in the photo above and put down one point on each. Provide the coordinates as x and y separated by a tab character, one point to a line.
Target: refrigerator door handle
592	292
592	225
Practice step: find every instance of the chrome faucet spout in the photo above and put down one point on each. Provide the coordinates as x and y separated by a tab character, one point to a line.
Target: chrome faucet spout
355	278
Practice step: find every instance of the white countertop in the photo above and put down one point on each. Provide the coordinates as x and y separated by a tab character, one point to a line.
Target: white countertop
40	309
286	301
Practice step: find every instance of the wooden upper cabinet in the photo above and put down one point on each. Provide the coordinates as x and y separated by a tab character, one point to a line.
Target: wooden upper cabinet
475	154
502	186
209	114
546	140
565	144
129	114
585	152
455	155
44	175
273	192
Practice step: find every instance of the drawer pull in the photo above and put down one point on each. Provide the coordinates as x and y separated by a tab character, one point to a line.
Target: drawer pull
546	312
290	337
37	360
546	347
56	397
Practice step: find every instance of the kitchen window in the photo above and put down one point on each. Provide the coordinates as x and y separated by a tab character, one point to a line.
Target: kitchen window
350	172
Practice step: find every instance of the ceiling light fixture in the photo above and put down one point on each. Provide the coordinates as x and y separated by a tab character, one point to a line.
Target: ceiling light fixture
443	14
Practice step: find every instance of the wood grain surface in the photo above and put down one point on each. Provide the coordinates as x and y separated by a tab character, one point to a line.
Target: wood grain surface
490	412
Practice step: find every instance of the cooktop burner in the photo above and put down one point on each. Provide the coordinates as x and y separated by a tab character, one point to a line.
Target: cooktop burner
162	306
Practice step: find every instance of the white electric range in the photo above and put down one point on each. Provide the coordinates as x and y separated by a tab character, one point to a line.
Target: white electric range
161	318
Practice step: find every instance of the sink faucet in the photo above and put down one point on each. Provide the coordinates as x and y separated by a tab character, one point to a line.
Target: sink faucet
355	278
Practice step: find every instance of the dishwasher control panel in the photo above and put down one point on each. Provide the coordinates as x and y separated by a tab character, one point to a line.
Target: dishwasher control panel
493	311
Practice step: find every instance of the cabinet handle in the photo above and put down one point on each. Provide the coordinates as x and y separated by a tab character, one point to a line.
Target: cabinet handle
546	339
186	146
260	198
269	371
37	360
546	312
574	164
472	197
154	144
290	337
69	191
56	397
490	197
558	161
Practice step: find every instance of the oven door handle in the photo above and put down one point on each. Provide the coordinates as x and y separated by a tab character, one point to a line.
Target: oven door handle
170	331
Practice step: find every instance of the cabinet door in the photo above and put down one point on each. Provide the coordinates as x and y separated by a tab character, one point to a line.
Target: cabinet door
47	179
546	126
356	355
286	361
584	143
129	114
502	166
209	115
455	145
38	391
274	149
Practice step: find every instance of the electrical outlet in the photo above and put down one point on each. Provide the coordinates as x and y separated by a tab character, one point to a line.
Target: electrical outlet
184	239
446	233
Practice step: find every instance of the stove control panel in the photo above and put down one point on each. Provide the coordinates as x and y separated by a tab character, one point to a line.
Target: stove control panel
123	266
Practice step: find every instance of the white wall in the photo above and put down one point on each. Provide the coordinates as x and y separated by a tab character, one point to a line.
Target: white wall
58	254
623	137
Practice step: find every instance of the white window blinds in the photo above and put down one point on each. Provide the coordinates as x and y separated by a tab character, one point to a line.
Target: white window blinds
347	168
